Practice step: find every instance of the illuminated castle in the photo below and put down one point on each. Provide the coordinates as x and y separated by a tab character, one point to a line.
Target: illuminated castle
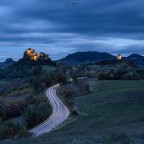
33	55
119	57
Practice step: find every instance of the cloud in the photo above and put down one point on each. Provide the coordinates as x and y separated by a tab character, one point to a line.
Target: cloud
59	28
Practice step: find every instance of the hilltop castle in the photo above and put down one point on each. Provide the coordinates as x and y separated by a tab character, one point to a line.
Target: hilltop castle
119	57
33	55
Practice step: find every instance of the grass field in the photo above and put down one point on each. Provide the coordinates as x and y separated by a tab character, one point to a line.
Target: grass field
113	113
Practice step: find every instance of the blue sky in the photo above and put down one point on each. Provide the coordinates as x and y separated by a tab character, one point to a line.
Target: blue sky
59	27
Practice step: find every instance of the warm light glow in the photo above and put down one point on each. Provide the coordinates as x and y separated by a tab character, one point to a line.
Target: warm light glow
35	58
33	55
119	57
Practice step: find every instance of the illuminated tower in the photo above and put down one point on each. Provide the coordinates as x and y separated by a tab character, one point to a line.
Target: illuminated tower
119	57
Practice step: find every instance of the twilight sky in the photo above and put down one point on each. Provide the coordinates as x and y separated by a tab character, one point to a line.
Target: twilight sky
60	27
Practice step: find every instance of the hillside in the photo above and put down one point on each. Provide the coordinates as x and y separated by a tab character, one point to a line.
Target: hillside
111	114
137	59
23	102
86	57
96	57
31	57
117	62
7	63
24	67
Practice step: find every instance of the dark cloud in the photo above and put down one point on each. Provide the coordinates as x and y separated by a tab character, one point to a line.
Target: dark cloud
59	28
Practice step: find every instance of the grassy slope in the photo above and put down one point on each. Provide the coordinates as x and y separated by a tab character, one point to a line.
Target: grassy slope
113	113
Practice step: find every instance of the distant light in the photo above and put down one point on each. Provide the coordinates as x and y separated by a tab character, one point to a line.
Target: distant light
119	57
33	55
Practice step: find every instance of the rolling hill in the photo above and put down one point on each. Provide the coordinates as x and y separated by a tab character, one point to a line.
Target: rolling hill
136	59
95	57
86	57
7	63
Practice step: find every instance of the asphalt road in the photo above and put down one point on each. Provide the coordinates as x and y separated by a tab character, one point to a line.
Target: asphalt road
60	113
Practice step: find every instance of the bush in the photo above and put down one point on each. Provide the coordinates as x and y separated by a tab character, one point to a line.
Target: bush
35	114
12	108
104	76
37	71
131	76
59	77
12	130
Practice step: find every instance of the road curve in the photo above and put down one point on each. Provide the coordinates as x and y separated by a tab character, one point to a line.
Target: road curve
60	113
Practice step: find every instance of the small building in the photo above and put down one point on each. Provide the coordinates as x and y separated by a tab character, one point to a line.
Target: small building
119	57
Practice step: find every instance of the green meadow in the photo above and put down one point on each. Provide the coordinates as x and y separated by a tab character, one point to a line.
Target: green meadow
113	113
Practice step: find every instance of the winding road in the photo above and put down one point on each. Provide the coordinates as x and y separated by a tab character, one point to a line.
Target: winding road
60	113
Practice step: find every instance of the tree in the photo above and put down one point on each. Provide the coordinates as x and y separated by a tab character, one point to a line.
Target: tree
74	77
75	73
37	71
60	77
2	114
36	114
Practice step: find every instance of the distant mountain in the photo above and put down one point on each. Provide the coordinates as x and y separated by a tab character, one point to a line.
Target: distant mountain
86	57
135	56
9	62
96	57
136	59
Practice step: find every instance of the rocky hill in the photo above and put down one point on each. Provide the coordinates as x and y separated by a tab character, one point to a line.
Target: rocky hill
31	57
25	66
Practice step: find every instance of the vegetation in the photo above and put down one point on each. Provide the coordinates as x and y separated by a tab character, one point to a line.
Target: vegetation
11	130
22	93
111	113
26	66
35	114
69	92
99	58
85	57
122	71
25	103
108	111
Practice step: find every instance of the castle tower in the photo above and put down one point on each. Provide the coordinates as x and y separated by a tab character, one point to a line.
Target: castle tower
119	57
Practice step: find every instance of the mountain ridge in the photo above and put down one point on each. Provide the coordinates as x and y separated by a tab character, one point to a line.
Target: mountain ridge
83	57
7	63
94	56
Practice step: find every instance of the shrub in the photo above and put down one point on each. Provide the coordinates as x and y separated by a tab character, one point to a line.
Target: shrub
104	76
35	114
12	130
